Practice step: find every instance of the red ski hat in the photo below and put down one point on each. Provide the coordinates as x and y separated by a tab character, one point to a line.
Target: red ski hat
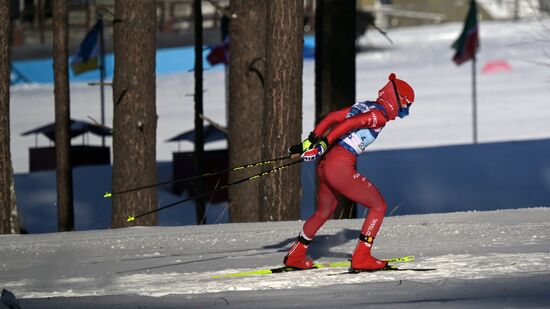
387	96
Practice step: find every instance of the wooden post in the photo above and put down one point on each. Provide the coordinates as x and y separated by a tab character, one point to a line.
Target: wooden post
474	98
102	69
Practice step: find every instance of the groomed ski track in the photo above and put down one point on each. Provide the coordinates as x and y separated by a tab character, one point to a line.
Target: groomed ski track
483	259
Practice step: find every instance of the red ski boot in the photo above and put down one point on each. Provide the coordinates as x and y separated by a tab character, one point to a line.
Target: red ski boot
362	259
296	256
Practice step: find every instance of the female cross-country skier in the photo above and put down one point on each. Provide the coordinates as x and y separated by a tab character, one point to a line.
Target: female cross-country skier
341	136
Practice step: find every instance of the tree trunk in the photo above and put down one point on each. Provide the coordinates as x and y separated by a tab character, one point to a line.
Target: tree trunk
14	216
335	67
199	127
280	192
65	211
134	117
5	158
246	101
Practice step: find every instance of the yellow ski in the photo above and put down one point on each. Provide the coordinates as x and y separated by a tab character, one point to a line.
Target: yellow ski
403	259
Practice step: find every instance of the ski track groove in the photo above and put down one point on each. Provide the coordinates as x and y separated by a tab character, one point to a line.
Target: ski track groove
456	266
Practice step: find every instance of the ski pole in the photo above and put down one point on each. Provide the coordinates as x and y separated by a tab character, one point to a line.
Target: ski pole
271	171
188	179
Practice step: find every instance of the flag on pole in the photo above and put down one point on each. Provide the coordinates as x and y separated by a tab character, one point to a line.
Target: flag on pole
86	59
468	42
219	54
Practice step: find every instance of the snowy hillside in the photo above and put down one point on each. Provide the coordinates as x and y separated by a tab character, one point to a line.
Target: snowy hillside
482	260
511	105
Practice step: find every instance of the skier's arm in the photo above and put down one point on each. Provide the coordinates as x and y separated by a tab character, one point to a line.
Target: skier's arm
320	130
331	119
371	120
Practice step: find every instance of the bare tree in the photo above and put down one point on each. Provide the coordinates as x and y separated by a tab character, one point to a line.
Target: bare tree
335	67
14	216
280	193
5	158
135	116
246	101
65	210
198	153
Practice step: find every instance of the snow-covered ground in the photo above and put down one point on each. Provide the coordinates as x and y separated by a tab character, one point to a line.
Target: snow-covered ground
482	259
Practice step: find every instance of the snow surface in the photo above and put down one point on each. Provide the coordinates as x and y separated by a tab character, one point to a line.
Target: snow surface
504	9
481	259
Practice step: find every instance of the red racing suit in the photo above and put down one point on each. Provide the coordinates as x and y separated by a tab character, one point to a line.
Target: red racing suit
352	130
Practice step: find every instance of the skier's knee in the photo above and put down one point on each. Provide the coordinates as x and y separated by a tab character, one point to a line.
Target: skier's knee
323	215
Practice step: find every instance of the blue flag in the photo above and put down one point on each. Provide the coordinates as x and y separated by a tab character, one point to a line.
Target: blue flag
86	59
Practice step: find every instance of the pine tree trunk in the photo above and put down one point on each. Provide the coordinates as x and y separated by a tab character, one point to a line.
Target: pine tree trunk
135	117
200	203
5	159
280	192
65	211
14	215
246	100
335	67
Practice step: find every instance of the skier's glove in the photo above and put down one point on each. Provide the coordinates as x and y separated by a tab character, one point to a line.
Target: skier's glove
306	145
317	151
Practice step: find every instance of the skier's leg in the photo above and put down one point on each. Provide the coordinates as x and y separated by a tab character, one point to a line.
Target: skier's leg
345	179
361	257
296	256
326	203
365	193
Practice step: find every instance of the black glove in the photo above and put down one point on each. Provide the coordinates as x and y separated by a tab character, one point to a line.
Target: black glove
306	145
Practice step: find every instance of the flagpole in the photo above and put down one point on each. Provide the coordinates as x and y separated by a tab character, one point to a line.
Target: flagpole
102	78
474	98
